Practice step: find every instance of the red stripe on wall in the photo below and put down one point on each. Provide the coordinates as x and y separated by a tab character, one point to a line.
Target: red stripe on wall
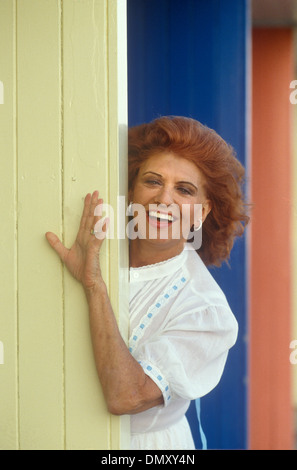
270	408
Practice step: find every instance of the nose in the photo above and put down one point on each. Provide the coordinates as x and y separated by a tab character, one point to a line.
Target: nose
164	196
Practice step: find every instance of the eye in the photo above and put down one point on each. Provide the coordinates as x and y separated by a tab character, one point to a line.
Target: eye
184	191
152	182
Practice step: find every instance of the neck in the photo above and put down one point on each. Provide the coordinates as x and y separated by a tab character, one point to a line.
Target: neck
144	252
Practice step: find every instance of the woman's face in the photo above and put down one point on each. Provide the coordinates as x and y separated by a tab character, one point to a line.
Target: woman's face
170	190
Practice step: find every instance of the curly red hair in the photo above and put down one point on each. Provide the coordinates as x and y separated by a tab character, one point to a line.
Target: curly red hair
223	176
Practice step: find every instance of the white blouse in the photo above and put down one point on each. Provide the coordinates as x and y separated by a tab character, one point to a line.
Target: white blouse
181	328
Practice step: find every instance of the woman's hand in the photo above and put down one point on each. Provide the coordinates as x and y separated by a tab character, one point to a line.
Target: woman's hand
127	389
82	259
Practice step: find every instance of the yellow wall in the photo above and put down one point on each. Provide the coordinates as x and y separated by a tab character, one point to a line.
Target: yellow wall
63	129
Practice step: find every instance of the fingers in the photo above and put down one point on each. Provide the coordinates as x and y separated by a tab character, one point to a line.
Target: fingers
98	210
57	245
101	228
91	211
91	220
90	217
86	211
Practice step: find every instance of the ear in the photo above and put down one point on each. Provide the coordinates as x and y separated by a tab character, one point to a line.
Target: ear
206	208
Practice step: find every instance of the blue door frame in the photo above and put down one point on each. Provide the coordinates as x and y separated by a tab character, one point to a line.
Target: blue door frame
191	57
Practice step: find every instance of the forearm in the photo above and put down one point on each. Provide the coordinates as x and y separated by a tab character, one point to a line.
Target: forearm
126	387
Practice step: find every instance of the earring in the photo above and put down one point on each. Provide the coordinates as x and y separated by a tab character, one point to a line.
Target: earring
200	225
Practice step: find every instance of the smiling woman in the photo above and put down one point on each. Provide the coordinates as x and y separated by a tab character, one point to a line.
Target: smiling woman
169	188
211	168
181	326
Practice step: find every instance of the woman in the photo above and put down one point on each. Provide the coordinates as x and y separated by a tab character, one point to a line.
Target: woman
181	326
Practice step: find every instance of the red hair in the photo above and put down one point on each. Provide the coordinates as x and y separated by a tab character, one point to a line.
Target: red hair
223	176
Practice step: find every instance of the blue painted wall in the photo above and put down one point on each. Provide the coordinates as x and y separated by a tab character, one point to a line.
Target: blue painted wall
190	57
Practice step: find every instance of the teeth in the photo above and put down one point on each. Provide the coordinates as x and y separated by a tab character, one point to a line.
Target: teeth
160	215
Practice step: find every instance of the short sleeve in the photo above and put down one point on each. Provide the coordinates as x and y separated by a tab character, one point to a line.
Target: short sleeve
188	357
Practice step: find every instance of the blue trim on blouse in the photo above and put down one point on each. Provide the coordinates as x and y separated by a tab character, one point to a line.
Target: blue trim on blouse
162	300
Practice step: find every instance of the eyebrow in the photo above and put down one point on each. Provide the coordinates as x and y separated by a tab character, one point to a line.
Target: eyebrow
157	174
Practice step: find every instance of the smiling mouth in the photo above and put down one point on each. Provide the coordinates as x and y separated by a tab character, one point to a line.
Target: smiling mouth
160	219
160	216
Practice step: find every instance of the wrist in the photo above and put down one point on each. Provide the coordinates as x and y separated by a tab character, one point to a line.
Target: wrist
96	290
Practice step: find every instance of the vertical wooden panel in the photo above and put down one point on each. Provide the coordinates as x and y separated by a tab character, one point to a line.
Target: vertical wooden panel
41	400
270	273
91	161
85	169
8	247
63	134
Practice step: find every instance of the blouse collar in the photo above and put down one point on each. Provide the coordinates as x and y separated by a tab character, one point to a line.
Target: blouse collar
158	270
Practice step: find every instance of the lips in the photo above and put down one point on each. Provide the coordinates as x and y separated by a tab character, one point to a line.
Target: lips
160	216
160	219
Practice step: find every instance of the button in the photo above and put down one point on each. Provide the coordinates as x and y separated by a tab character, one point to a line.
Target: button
135	275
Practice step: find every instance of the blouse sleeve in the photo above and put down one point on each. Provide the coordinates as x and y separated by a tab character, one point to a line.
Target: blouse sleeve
188	357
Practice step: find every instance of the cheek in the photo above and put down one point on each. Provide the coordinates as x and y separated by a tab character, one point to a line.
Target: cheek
136	194
191	212
143	195
186	217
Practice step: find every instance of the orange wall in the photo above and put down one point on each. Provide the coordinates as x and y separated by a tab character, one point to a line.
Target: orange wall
270	290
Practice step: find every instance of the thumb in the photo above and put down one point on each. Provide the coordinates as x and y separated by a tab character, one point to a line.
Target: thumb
56	244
